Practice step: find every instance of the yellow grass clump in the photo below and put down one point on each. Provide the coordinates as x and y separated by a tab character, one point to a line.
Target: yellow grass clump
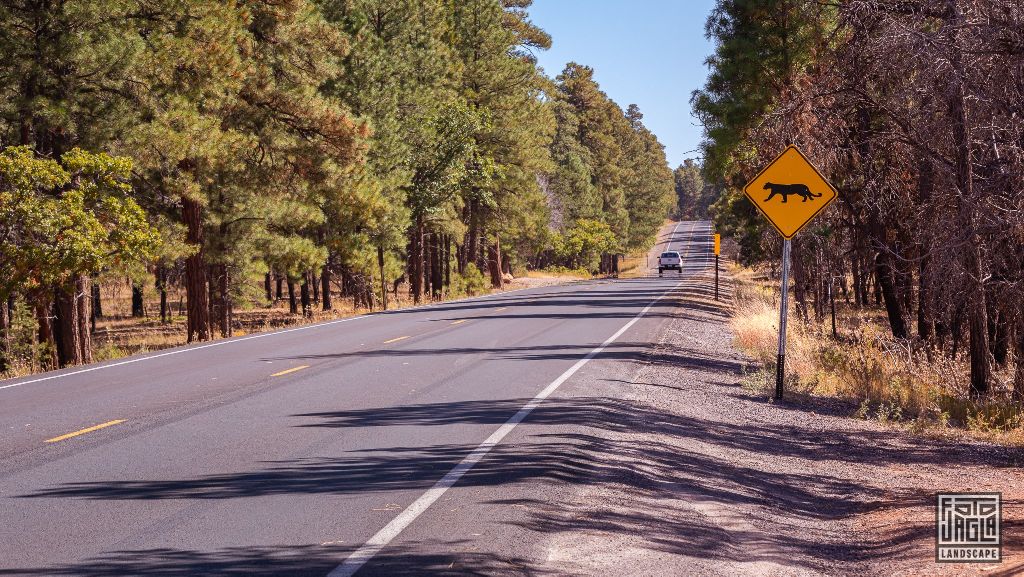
890	380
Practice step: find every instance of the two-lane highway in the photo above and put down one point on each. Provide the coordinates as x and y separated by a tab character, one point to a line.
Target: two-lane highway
304	451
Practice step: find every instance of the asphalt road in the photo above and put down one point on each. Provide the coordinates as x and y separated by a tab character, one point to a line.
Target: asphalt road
318	450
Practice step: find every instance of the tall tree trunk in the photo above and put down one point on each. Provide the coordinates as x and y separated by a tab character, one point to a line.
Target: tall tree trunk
97	301
213	278
325	286
977	309
855	266
195	274
69	351
383	281
448	261
473	237
45	335
224	295
161	288
1000	338
307	307
436	273
416	260
83	296
428	270
926	330
279	293
138	303
1018	355
5	337
268	287
494	263
885	274
293	304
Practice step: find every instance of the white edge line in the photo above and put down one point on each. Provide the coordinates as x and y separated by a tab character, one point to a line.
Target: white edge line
259	336
381	539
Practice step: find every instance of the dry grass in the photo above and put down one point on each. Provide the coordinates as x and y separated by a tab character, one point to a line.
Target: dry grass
889	380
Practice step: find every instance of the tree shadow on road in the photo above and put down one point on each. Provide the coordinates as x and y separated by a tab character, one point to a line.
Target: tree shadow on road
620	351
306	561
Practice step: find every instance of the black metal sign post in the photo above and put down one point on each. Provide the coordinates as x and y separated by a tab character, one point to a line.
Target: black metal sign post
790	174
780	368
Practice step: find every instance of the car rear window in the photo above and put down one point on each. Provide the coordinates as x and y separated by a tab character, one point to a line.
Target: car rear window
670	255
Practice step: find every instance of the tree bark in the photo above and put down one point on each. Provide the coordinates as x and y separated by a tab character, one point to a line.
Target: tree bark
886	281
925	326
5	337
307	308
83	296
494	263
473	238
198	325
855	266
448	261
325	286
383	281
138	303
293	305
279	293
436	272
1000	337
45	335
97	301
161	287
268	287
67	336
428	270
213	278
225	306
1018	375
416	260
977	310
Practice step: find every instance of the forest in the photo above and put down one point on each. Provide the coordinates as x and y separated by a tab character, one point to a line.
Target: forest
915	111
338	148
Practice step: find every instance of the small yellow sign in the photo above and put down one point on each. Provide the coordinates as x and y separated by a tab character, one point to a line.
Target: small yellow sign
718	244
790	192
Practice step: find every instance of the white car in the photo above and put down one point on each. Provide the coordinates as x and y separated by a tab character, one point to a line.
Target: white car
670	260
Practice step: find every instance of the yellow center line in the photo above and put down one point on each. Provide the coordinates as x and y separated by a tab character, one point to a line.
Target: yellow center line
501	309
460	321
396	340
291	370
86	430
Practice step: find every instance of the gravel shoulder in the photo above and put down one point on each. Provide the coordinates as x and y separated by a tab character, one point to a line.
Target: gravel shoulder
697	475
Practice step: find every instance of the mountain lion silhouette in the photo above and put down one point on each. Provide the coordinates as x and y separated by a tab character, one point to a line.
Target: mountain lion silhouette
787	189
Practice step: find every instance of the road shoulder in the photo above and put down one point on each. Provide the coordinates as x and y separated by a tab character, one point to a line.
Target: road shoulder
700	476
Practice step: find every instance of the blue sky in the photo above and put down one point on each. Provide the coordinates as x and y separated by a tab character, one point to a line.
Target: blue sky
645	52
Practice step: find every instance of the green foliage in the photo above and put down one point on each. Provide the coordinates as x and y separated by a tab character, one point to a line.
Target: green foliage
761	48
582	245
609	166
247	136
62	219
471	282
694	195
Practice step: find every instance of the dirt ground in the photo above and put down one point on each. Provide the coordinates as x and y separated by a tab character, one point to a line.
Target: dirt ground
707	477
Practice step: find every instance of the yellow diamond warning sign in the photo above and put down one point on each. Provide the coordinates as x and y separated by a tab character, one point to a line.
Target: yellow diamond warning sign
790	192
